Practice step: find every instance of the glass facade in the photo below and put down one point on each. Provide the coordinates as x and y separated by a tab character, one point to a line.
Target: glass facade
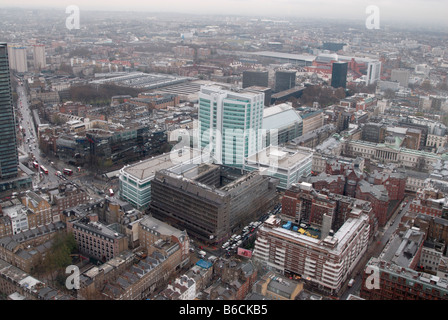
9	160
229	124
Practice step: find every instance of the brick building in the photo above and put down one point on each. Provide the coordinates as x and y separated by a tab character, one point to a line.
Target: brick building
400	283
152	230
95	239
40	212
241	274
28	249
325	262
377	195
66	196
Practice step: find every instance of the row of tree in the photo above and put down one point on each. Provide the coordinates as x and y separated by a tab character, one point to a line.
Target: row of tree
324	95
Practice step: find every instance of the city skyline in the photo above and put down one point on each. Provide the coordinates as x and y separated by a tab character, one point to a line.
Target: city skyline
224	150
412	13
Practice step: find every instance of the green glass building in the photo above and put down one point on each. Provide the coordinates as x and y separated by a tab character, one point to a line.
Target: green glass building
229	124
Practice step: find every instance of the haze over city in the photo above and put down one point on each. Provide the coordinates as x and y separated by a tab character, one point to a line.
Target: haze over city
413	12
238	152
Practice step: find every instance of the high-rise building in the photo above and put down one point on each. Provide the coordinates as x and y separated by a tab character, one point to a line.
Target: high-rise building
9	159
285	80
401	76
339	74
255	78
373	72
229	123
17	58
39	56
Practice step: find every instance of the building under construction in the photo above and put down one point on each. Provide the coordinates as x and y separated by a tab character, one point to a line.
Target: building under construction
211	201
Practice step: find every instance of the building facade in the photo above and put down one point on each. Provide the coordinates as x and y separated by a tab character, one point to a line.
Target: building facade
211	201
229	123
324	263
9	160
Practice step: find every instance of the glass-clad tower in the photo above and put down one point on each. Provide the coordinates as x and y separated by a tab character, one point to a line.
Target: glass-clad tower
230	123
9	160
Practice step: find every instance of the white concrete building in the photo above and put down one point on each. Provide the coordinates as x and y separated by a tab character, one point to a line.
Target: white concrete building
19	218
326	262
286	164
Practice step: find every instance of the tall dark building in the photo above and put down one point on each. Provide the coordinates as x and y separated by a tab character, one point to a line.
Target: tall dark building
255	78
267	93
339	74
284	80
9	159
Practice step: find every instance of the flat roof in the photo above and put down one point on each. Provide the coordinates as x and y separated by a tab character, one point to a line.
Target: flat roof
283	157
147	168
278	116
160	226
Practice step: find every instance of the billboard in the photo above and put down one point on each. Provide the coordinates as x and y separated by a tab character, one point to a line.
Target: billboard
244	253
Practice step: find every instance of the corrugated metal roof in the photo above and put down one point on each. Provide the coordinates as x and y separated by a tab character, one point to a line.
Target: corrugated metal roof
279	117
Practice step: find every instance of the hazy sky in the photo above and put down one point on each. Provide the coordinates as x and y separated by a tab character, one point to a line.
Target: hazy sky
411	11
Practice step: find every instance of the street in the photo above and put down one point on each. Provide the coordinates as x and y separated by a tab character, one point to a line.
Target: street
30	146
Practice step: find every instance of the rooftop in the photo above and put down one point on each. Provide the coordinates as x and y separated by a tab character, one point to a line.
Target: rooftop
402	248
146	169
279	116
284	158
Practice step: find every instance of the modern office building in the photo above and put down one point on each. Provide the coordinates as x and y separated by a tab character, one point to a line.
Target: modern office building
39	57
288	165
9	160
229	123
282	123
211	201
401	76
373	72
373	132
255	78
267	93
17	58
339	74
284	80
135	179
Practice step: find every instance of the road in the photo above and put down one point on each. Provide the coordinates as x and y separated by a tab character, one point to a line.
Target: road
32	147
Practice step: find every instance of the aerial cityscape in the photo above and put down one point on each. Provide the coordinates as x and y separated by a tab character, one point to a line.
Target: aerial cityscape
224	151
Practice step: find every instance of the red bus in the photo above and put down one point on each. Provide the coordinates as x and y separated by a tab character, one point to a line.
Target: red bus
111	192
35	164
45	170
68	172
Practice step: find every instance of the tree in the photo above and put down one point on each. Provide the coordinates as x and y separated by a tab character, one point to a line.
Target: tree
58	257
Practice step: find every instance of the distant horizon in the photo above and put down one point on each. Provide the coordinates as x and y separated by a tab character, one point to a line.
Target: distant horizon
430	13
